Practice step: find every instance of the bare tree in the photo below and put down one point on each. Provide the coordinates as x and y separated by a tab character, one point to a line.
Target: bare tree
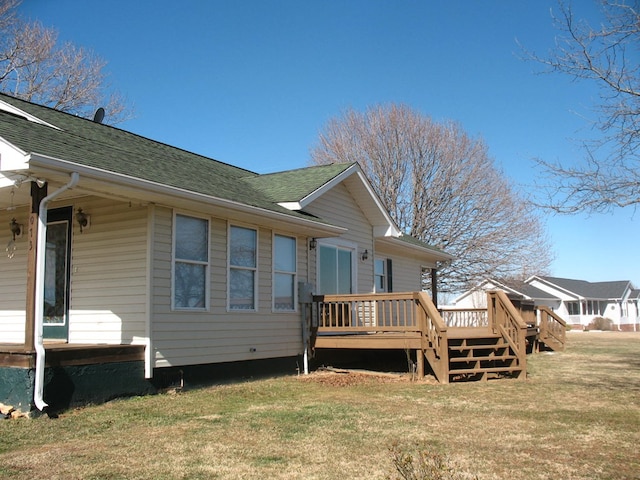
441	186
607	55
65	77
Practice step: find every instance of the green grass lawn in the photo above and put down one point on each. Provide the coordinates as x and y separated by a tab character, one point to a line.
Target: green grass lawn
577	416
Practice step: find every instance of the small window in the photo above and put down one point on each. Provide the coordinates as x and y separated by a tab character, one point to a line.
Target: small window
380	275
284	273
243	266
191	262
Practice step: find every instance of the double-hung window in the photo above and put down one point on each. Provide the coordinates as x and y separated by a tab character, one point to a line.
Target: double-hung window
284	273
243	267
380	274
191	262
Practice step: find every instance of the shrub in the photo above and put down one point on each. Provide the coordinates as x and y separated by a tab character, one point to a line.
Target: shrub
422	464
601	323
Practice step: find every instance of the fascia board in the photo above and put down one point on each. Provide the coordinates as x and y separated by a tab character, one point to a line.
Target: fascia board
393	228
7	107
557	288
322	190
12	158
154	188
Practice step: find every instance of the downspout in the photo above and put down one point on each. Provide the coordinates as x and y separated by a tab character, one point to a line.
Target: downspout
41	247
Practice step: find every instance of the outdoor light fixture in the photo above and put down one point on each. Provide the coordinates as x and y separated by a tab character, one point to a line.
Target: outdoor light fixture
16	232
16	229
83	219
313	243
364	255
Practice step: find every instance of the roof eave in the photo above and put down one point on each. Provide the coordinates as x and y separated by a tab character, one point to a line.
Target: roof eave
437	255
157	192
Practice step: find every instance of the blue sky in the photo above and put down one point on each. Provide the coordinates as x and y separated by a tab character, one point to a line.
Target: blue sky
251	83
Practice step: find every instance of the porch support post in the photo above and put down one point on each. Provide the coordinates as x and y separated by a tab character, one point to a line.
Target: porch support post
37	194
434	286
420	362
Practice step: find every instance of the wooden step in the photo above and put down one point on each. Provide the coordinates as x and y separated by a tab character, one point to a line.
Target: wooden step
486	358
464	348
484	370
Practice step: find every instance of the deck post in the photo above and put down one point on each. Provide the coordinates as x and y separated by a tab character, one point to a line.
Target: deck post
420	362
37	194
434	287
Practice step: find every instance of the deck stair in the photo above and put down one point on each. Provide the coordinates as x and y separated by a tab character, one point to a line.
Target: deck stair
480	355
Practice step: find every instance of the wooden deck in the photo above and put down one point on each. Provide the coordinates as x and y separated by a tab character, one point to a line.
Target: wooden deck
475	343
64	354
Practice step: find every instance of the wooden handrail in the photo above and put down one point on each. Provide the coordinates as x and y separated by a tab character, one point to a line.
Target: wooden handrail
506	320
435	343
553	329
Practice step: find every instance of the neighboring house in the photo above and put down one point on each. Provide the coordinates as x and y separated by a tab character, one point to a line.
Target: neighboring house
129	261
578	302
477	297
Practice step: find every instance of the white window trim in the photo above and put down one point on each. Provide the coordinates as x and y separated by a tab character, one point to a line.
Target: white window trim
207	264
256	280
347	245
274	272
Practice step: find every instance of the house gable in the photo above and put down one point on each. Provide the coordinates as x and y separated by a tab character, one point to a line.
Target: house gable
297	189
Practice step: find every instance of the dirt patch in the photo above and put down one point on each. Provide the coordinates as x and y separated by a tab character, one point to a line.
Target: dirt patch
347	378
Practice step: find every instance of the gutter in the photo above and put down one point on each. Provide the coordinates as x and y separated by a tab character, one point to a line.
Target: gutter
41	247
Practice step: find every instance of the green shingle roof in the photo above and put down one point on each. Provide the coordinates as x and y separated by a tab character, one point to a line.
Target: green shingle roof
100	146
294	185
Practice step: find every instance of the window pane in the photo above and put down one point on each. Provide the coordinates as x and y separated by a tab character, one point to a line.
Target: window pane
284	291
189	285
285	253
344	271
328	270
243	247
241	289
379	267
55	274
192	238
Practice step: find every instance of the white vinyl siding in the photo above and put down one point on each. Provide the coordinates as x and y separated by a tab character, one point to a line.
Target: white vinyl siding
219	335
13	281
108	274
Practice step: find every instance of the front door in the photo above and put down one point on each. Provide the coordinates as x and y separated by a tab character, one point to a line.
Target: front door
57	274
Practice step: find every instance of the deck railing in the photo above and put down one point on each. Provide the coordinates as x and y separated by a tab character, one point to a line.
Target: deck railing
466	318
553	329
506	320
410	312
383	312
